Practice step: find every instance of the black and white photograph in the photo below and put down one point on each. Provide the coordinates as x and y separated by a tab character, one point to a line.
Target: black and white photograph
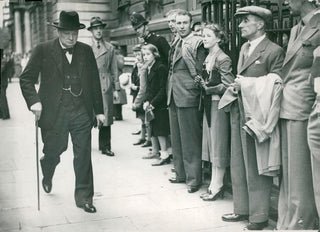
159	115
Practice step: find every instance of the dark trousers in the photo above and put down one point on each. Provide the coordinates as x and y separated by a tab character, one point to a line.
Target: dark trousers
186	141
73	120
104	138
117	111
4	108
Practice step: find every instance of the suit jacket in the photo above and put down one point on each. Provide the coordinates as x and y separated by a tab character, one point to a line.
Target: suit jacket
46	60
180	83
156	85
109	78
266	58
298	95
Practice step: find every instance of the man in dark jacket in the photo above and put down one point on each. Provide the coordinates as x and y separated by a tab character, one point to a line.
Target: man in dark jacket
68	98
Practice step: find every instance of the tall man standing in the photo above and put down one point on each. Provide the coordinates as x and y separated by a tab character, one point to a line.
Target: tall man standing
109	80
68	98
258	57
183	101
296	200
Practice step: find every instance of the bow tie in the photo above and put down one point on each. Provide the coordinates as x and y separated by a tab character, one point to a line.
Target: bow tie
69	50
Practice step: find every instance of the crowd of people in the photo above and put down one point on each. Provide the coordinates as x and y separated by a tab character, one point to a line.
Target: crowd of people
262	119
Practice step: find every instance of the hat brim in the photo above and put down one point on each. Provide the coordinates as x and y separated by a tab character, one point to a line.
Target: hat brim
103	25
252	13
56	25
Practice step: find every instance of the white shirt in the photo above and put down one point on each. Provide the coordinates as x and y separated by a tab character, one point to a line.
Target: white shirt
68	55
254	43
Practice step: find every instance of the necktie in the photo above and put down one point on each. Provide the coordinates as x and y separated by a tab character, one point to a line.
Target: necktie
245	52
69	50
299	28
98	44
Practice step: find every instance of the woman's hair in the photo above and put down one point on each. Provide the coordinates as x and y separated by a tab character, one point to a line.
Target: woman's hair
153	49
218	32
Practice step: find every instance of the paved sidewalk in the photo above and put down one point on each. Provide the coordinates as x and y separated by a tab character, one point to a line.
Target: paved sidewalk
130	194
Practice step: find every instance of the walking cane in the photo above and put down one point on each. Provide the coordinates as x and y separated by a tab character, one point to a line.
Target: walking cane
37	161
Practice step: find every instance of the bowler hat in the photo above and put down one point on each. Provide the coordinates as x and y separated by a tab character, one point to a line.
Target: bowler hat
137	20
68	20
261	12
95	22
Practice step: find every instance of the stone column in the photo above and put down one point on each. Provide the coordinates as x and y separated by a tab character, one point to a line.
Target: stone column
17	32
27	30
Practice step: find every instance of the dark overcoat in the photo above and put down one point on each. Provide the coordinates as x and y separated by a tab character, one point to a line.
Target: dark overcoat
46	60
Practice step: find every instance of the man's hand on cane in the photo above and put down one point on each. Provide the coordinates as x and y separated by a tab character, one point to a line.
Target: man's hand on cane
36	110
100	119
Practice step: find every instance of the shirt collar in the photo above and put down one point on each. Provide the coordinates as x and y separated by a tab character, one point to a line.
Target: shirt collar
306	19
255	42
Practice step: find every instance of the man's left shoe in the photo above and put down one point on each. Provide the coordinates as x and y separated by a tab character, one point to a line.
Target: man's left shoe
256	225
107	152
46	185
192	189
89	208
161	162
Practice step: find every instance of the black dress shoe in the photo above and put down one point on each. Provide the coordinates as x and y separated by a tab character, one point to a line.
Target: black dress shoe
147	144
176	181
256	225
136	132
233	217
108	152
192	189
139	142
89	208
46	185
161	162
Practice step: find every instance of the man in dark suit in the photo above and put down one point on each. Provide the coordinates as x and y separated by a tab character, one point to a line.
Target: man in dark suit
68	98
258	57
183	101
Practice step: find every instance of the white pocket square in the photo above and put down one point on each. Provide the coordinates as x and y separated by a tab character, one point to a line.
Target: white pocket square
257	62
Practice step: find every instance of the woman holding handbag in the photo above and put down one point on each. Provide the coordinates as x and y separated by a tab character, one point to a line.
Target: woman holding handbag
156	101
216	77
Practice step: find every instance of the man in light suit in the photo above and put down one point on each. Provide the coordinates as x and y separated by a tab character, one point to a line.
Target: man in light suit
296	201
258	57
183	100
109	80
68	98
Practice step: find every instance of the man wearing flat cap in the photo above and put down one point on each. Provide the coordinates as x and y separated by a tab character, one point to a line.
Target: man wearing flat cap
68	98
140	25
297	209
258	58
109	80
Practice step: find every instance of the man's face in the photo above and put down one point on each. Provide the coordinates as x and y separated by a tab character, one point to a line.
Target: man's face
183	25
141	31
249	26
68	38
295	6
97	32
172	22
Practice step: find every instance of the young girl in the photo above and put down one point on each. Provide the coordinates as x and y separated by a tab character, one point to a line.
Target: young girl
216	127
135	88
156	100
